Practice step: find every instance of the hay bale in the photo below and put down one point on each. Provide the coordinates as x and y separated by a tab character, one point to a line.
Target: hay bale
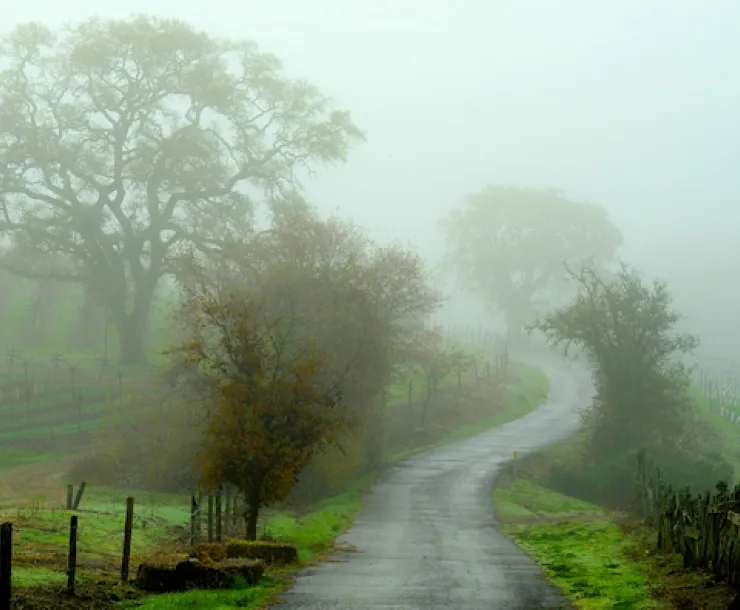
273	553
164	577
250	571
159	579
210	552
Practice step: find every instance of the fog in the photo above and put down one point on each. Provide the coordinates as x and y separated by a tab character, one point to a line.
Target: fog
628	104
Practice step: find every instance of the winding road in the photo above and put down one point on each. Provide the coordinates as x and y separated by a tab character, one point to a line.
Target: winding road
426	538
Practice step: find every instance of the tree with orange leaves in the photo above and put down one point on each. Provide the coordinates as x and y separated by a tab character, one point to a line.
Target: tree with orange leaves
274	397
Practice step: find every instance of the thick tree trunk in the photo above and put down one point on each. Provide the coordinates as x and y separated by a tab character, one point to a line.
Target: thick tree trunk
131	333
251	514
132	326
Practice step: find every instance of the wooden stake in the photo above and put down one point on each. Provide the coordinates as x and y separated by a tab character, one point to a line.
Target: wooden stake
78	497
6	561
72	556
127	528
218	517
210	518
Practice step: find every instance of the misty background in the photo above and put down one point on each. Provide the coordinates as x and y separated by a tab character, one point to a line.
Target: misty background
632	105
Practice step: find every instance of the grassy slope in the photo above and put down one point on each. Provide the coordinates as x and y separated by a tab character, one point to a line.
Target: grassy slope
728	433
577	544
54	412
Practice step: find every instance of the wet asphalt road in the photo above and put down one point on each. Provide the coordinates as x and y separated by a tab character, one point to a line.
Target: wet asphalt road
426	538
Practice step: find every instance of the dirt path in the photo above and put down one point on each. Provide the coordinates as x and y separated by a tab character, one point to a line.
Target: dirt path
30	483
425	538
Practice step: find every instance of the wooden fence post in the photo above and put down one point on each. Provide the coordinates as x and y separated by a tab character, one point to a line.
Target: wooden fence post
78	497
127	528
227	510
210	517
218	516
193	525
6	561
70	496
235	509
72	555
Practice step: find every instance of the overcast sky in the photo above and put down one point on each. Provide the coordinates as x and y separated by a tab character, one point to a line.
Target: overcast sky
632	104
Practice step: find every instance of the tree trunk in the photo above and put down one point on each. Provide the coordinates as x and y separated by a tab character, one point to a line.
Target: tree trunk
251	514
132	326
131	333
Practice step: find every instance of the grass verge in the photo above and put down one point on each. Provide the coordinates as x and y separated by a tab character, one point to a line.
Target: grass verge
578	545
598	558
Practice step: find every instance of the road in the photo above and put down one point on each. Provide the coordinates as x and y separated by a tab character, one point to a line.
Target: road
426	538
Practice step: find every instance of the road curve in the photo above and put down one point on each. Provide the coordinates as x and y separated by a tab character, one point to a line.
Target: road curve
426	537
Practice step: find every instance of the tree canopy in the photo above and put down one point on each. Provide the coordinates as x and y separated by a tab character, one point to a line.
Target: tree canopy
508	246
124	141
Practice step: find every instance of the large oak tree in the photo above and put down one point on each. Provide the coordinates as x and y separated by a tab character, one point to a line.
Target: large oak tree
508	246
123	141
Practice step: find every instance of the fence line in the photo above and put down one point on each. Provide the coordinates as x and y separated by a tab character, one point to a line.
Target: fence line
71	560
704	529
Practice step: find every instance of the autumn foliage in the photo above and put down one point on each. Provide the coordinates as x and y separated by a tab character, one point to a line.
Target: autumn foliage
274	398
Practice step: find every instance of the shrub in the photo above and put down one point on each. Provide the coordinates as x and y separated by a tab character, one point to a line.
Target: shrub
613	482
